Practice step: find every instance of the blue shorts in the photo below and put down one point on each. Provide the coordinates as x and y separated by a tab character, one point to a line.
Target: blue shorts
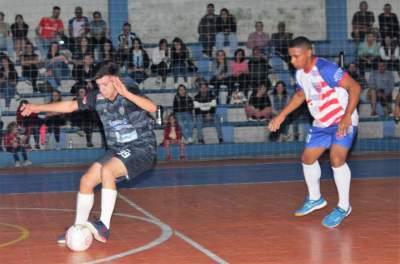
325	137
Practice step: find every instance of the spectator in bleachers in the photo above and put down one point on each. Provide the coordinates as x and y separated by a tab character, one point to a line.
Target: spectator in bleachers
138	62
173	136
397	108
205	106
388	23
160	60
362	22
49	30
280	42
352	70
13	144
56	65
84	120
259	105
78	27
368	53
239	80
221	70
259	39
180	60
183	111
279	99
107	51
207	29
83	74
125	42
389	52
381	84
54	120
30	65
83	47
5	41
30	125
1	131
98	32
8	79
258	69
226	31
19	31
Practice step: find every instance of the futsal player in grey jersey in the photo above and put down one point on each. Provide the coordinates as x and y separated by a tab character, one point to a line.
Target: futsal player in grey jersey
131	142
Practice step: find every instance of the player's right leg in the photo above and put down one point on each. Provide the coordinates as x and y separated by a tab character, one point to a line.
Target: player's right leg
85	196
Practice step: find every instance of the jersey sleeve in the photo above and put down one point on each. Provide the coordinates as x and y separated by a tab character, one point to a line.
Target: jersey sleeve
332	73
88	102
299	87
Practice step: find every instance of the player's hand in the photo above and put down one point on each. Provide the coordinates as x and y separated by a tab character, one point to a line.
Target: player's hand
344	124
27	109
118	85
276	122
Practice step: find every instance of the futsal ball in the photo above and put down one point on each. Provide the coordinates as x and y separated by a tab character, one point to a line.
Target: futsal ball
78	238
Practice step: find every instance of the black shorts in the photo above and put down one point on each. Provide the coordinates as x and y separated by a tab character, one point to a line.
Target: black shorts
137	158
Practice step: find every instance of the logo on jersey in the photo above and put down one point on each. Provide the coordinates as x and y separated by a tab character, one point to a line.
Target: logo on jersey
338	75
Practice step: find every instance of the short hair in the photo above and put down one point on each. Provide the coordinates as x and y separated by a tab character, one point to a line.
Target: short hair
126	24
105	68
210	5
259	22
300	42
2	14
56	8
96	13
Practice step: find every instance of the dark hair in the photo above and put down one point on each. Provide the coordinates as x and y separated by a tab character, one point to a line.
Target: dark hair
224	10
96	13
2	14
19	16
275	92
56	8
139	41
300	42
225	61
387	5
164	41
57	92
236	53
11	126
183	46
126	24
49	51
105	68
210	5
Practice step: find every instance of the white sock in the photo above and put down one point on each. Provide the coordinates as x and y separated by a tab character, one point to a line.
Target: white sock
84	203
312	174
108	199
342	176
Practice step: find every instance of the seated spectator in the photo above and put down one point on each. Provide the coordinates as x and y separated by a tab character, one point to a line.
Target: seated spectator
125	42
1	131
258	69
84	120
83	47
226	31
78	27
239	80
98	32
173	136
160	59
107	51
19	31
259	39
49	30
8	79
13	144
388	23
362	22
30	65
56	65
389	52
397	109
183	111
368	54
280	41
279	99
352	70
180	60
259	105
83	74
381	84
5	40
205	106
221	70
207	29
138	62
30	125
54	120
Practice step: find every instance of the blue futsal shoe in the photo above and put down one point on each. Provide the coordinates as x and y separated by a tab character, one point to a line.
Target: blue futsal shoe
335	217
99	230
310	206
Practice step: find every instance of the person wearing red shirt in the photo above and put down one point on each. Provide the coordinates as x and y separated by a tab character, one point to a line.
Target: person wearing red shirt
173	135
12	143
50	29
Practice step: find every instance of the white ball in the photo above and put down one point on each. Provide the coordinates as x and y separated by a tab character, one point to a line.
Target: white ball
78	238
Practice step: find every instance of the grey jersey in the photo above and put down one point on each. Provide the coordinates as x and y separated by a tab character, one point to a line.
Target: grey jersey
123	121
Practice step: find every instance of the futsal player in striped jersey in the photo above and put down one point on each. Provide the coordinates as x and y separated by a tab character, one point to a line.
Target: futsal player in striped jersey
332	97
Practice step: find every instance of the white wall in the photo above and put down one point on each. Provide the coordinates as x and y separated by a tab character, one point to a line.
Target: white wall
155	19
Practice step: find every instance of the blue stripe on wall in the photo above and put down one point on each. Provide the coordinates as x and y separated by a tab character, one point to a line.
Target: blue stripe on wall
117	16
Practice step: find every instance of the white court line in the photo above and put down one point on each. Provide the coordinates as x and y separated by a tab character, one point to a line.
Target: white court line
186	239
166	233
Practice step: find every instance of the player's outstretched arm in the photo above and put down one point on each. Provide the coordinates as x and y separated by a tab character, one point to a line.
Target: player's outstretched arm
296	101
140	101
354	90
58	107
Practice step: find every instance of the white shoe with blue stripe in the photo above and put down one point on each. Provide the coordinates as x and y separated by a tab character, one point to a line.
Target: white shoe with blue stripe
335	217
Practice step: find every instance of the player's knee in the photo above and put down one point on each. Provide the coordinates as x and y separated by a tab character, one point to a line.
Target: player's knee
305	159
337	160
106	174
85	184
